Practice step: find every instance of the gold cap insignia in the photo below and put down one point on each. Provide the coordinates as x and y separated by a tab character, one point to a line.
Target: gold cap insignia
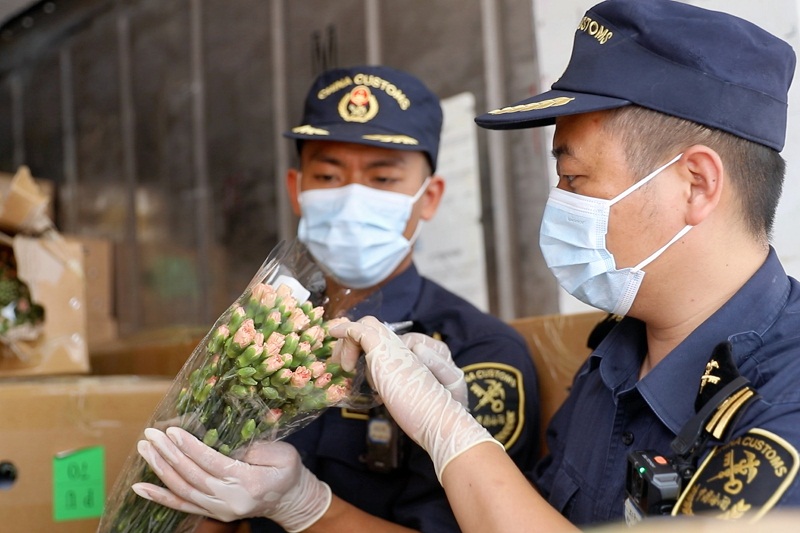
497	399
742	479
309	130
359	105
396	139
533	106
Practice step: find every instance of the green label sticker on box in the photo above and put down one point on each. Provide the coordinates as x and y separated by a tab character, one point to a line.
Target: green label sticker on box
79	484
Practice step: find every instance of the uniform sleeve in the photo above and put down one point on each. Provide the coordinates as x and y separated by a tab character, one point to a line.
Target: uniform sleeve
504	394
543	472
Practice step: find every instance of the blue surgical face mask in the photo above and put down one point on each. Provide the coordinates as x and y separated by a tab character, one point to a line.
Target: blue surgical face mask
356	232
573	242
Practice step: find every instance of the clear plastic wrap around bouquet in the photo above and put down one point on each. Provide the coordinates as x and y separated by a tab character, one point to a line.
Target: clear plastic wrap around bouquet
261	372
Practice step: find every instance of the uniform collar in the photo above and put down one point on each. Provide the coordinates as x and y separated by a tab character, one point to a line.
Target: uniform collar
671	387
395	300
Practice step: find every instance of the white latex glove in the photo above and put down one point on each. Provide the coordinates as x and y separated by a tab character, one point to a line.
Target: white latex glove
269	481
418	402
436	356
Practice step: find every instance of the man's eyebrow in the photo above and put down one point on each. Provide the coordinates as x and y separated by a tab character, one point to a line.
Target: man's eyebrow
388	162
377	163
560	150
325	158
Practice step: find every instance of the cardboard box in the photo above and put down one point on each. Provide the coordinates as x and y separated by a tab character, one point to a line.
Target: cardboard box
161	352
53	270
25	203
65	440
101	330
98	268
558	346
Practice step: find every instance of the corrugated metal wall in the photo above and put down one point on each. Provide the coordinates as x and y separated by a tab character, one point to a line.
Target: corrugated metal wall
160	124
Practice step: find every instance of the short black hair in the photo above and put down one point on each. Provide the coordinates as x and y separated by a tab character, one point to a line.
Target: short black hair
756	171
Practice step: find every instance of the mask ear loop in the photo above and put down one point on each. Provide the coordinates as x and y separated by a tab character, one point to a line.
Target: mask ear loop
661	250
672	241
644	180
414	200
297	187
421	191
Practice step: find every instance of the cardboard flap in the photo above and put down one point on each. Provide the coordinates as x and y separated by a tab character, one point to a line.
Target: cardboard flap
23	205
53	270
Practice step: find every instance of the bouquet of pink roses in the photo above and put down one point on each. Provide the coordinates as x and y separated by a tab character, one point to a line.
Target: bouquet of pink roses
261	372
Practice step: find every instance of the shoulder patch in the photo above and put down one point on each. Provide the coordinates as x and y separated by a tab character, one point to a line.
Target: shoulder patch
742	479
497	399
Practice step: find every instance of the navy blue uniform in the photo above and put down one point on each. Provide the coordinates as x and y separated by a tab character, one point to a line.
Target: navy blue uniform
610	412
503	395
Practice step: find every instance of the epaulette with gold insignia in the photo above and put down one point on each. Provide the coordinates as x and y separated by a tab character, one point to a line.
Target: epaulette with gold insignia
658	485
722	398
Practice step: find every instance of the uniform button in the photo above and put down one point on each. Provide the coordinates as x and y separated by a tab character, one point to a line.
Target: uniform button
627	438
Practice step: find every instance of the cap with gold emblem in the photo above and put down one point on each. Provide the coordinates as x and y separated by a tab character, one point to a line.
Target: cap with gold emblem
373	105
701	65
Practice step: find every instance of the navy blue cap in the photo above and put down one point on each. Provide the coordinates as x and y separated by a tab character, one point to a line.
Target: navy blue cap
373	105
704	66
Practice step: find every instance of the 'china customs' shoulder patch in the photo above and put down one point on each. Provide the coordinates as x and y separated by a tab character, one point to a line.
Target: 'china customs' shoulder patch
742	479
497	399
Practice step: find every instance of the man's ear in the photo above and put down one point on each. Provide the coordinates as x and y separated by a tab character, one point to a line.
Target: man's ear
706	179
431	197
292	187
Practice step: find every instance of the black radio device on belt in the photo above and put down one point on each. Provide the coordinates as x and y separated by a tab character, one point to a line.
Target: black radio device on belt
384	436
384	441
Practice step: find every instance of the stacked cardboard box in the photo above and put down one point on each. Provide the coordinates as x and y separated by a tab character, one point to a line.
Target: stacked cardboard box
52	270
98	262
64	435
161	352
558	345
65	440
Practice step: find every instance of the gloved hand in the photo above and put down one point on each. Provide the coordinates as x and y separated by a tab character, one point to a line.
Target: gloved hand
436	356
269	481
418	402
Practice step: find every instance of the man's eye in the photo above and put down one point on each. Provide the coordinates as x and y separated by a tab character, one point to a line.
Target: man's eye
383	180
